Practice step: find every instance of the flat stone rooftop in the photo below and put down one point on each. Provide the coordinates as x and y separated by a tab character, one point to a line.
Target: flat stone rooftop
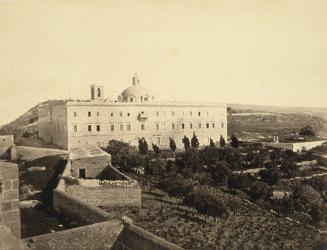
86	152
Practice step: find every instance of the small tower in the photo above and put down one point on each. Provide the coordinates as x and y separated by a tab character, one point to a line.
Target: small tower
96	92
136	80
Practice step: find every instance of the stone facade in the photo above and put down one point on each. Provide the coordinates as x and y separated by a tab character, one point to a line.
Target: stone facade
136	114
9	200
7	147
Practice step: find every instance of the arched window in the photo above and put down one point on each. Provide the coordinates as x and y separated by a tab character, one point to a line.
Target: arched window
99	92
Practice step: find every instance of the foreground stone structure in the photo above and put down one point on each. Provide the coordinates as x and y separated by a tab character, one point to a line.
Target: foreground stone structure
9	200
134	115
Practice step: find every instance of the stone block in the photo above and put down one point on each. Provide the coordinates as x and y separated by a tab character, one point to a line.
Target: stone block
10	195
6	185
11	216
15	184
15	205
6	206
9	171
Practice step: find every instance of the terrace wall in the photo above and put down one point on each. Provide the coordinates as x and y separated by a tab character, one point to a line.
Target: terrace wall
124	195
297	146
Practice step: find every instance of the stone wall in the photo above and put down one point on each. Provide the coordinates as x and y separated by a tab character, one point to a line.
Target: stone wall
111	196
296	146
94	166
136	238
9	190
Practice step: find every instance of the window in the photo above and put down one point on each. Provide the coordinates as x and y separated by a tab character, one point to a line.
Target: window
213	125
207	125
121	127
89	113
172	113
163	125
128	114
207	113
172	126
112	114
89	128
183	125
99	93
157	126
75	128
145	99
98	113
200	125
131	99
199	113
222	125
98	128
191	125
112	127
75	114
142	126
190	113
121	113
157	113
128	127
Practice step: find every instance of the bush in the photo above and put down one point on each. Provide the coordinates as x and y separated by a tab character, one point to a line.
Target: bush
306	198
259	190
155	167
143	146
240	181
205	203
172	144
234	141
307	131
318	213
271	175
221	172
176	185
156	149
320	245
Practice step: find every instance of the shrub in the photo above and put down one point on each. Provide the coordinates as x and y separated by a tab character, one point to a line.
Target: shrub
155	167
176	185
143	146
205	203
307	131
221	172
320	245
271	175
240	181
259	190
305	198
318	213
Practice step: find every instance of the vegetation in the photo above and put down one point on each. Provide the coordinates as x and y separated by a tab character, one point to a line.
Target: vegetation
307	131
172	144
143	146
234	141
156	149
194	141
186	142
222	141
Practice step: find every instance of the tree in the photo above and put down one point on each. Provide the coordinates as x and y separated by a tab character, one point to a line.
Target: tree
307	131
306	198
212	143
186	142
240	181
221	172
222	141
194	141
205	202
259	190
143	146
270	175
156	149
234	141
172	144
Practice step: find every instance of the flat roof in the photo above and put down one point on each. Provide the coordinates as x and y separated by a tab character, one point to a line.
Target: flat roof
148	104
86	152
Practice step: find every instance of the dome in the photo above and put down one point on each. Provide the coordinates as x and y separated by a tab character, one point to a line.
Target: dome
135	93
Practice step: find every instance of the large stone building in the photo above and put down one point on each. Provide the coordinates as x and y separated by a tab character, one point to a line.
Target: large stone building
135	114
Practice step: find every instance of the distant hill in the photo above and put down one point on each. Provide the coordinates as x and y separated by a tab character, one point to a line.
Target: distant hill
25	126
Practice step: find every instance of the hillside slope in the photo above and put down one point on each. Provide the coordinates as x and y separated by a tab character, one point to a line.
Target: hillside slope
24	128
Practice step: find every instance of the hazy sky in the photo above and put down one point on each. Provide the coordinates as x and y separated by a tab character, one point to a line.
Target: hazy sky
253	52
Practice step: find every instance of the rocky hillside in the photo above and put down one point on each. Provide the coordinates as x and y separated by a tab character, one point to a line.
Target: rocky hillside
24	128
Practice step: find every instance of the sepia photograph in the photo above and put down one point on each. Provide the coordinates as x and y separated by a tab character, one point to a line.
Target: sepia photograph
163	124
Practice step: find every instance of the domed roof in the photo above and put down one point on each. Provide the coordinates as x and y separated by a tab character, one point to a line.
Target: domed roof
135	91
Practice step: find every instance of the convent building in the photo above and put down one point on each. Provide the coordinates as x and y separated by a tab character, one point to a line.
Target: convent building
135	114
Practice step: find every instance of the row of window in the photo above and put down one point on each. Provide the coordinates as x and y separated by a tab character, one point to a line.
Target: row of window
162	113
158	127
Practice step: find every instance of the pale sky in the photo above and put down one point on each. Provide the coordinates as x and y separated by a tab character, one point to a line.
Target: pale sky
271	52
